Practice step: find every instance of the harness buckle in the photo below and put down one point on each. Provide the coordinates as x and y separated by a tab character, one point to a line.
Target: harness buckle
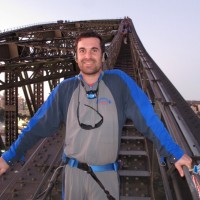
84	167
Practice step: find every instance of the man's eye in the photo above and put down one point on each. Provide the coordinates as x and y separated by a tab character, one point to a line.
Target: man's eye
81	51
94	50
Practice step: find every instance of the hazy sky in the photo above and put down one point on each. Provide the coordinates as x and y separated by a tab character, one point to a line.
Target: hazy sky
169	30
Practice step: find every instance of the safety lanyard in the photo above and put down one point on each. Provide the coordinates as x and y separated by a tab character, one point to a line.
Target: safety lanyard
89	170
195	179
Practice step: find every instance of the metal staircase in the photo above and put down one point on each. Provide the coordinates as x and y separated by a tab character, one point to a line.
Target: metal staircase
135	169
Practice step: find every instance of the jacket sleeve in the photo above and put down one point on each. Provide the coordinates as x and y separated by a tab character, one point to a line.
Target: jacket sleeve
140	111
44	123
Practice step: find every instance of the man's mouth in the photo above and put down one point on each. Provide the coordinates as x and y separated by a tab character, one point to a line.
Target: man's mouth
88	62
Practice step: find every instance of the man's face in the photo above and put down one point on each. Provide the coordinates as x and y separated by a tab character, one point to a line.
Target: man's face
89	56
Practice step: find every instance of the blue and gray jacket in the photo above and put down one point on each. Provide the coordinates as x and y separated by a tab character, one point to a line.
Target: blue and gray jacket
118	98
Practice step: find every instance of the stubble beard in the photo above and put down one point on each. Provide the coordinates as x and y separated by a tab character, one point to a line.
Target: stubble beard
90	70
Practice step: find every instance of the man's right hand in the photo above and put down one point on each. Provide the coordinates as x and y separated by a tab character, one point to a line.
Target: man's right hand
3	166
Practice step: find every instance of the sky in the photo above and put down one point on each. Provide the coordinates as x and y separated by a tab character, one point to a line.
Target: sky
169	30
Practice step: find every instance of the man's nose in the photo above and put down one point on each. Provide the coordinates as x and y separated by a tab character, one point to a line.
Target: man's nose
88	55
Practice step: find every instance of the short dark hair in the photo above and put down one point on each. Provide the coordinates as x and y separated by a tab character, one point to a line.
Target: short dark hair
90	34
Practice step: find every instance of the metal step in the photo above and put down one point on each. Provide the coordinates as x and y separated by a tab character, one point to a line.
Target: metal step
134	173
134	198
133	137
133	153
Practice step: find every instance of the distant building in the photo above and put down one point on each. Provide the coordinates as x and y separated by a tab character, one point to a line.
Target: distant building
2	101
22	105
195	105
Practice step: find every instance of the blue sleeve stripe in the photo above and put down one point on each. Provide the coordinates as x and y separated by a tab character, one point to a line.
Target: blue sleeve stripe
151	119
11	153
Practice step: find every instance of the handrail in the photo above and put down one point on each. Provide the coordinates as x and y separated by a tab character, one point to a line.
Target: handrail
170	112
113	49
191	185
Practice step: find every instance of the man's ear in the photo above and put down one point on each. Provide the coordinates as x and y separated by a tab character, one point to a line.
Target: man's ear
75	57
104	57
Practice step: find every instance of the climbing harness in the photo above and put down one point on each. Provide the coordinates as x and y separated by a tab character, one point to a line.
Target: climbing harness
90	169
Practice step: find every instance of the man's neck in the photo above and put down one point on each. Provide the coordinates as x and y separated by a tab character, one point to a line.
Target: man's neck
91	79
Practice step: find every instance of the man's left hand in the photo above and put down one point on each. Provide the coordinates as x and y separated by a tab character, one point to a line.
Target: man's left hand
185	160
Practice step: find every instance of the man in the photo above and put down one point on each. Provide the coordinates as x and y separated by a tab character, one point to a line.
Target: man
93	106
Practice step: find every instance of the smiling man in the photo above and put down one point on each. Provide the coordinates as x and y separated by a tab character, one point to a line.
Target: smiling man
93	107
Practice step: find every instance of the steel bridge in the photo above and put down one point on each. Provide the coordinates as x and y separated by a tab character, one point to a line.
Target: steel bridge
41	53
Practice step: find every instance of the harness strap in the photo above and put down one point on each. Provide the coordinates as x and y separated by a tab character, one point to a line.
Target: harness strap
72	162
109	196
90	169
